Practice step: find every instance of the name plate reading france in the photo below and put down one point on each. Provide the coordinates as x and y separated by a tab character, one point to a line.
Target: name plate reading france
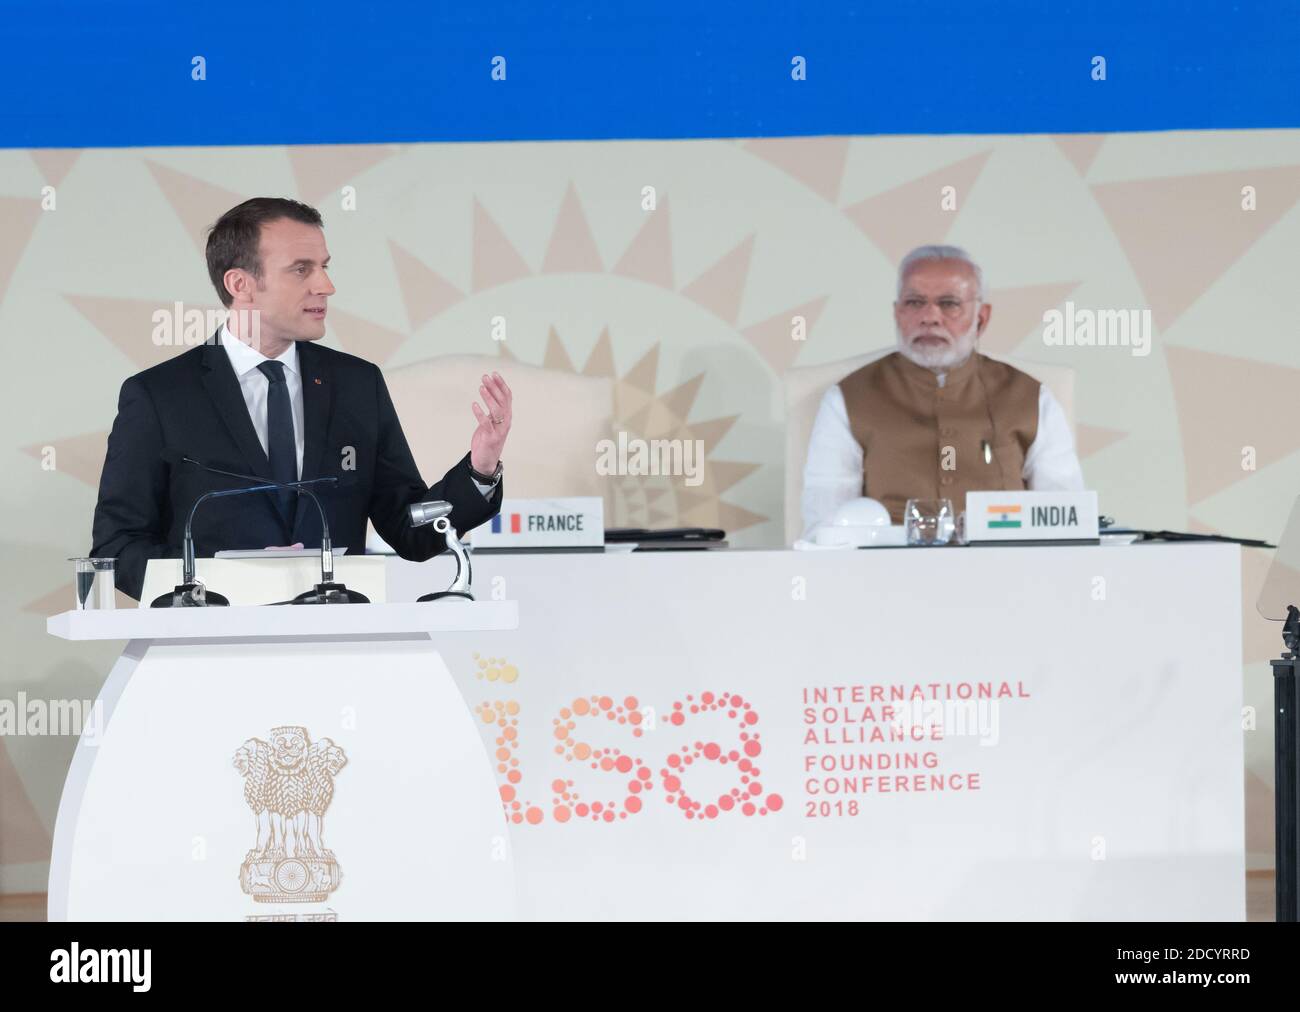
574	522
1031	516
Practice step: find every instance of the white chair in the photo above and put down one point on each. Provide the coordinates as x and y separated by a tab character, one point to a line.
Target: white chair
805	387
559	419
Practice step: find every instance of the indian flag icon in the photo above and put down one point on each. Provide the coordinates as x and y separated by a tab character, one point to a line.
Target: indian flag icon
1004	516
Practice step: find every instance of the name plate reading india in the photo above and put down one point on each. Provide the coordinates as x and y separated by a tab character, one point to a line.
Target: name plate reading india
1000	517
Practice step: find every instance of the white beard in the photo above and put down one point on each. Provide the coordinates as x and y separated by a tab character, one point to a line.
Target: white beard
943	358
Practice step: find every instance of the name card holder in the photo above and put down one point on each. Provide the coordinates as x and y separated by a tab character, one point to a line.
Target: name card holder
1017	518
576	523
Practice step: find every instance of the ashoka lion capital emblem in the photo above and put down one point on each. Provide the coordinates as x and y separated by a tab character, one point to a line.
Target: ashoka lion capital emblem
289	783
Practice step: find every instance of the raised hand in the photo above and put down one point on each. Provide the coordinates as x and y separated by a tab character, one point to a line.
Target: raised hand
493	424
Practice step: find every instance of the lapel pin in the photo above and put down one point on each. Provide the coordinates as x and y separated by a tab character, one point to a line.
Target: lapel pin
316	381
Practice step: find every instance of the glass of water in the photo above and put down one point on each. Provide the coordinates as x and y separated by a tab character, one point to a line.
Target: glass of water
95	584
929	521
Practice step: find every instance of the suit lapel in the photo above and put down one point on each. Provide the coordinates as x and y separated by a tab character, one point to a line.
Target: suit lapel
317	395
222	385
317	392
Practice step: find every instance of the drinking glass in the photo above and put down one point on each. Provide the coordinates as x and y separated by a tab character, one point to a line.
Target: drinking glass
929	521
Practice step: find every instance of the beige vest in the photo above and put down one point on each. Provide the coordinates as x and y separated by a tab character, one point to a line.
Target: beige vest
909	428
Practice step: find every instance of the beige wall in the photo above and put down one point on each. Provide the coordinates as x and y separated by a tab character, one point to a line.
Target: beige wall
688	307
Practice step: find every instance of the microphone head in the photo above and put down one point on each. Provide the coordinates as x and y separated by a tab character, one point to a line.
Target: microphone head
174	458
423	513
329	482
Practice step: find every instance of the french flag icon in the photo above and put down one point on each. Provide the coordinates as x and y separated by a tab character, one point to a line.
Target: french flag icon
514	523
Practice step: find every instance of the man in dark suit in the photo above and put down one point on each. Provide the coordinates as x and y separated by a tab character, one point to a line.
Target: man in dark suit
262	399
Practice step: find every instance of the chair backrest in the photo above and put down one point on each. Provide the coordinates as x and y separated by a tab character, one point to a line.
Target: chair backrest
559	419
804	388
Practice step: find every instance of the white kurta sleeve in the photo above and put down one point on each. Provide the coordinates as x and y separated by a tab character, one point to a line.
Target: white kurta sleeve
832	474
1052	465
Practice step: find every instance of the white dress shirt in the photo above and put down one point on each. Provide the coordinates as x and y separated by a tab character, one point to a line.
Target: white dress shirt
832	474
254	385
245	359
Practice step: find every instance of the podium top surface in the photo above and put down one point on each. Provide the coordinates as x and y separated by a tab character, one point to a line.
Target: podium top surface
300	621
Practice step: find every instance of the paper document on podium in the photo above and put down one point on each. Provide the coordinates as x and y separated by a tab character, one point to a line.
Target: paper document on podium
275	553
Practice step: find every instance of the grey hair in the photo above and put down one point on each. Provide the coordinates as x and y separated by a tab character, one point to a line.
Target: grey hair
923	253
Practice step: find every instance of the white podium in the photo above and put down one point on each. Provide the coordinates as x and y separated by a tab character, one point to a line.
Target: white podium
281	763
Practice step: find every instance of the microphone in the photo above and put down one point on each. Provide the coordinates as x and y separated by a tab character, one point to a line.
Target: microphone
423	513
438	513
192	593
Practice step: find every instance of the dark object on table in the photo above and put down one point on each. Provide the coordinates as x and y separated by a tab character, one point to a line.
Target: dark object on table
1185	536
642	535
669	539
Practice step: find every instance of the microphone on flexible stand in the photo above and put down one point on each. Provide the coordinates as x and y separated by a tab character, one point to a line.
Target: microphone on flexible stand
438	513
192	593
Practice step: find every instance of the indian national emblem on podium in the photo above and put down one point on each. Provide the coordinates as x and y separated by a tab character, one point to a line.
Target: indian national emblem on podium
289	783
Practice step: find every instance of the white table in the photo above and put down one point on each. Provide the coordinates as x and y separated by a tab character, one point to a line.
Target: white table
1102	780
1114	789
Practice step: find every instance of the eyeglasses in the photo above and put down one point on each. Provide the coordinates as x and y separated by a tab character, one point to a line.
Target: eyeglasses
948	305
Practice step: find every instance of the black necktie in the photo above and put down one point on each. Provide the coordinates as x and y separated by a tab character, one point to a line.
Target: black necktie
281	448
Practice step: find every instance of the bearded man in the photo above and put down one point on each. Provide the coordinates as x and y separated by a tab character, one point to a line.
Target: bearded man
936	419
